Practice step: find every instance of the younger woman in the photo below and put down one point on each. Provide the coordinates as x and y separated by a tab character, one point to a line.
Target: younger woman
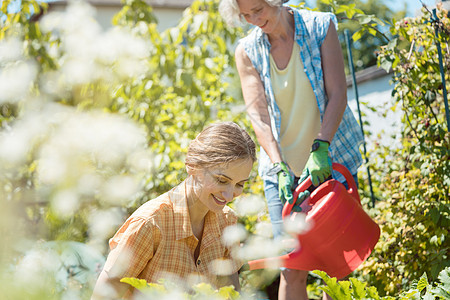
178	234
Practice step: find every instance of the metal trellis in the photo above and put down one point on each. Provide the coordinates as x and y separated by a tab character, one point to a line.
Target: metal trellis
435	19
355	87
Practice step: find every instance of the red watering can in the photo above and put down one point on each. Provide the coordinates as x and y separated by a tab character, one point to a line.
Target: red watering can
341	237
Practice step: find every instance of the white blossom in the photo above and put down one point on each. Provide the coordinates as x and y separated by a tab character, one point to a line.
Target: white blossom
249	205
15	81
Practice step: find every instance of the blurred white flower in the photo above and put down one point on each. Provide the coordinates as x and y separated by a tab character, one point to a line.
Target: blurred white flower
15	81
141	28
141	161
79	71
128	67
221	267
91	54
118	189
52	22
101	139
89	184
249	205
13	148
233	235
52	168
53	83
36	266
78	152
57	266
78	17
260	247
10	50
103	223
263	229
65	203
19	140
296	224
117	43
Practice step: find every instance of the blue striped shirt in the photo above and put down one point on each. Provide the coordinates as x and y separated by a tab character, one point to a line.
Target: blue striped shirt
310	31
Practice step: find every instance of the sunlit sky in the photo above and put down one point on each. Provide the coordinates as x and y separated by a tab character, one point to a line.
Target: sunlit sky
413	5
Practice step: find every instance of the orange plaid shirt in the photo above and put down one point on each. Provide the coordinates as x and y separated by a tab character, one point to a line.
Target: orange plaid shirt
157	242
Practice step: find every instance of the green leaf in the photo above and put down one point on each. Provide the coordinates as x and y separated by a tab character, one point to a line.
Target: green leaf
365	19
228	292
359	288
444	277
357	35
350	13
204	289
434	215
386	65
135	282
372	31
423	282
429	296
336	290
372	293
221	44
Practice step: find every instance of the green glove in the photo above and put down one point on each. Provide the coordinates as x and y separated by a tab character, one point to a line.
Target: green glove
318	166
285	182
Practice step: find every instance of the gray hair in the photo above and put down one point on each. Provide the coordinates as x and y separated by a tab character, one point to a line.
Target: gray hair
219	143
229	10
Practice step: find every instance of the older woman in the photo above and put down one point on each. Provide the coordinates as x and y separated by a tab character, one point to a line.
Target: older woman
178	235
293	82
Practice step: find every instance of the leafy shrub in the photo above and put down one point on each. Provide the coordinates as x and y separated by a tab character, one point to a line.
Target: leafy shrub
355	289
162	101
352	289
413	180
171	291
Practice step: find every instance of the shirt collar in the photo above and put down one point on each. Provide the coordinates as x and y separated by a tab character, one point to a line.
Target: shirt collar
212	228
183	228
300	29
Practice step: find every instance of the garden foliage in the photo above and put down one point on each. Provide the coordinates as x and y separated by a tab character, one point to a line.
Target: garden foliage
413	179
373	16
93	123
351	289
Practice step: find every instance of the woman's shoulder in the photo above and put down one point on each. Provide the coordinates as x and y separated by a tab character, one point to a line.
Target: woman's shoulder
154	208
315	22
254	35
308	13
314	16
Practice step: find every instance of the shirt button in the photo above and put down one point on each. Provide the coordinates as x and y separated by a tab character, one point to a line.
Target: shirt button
199	262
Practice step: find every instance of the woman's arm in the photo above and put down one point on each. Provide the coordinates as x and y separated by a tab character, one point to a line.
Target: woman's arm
108	288
335	84
256	104
132	249
232	279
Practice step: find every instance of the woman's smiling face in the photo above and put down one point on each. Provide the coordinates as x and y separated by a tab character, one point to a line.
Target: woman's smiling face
219	185
259	13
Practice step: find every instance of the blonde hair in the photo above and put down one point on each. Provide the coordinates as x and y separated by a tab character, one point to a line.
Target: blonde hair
229	10
220	143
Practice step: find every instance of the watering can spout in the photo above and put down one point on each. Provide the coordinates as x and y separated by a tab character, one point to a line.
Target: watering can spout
300	259
341	237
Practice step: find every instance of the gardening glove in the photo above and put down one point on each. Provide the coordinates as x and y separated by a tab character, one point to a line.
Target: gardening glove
318	166
285	182
285	188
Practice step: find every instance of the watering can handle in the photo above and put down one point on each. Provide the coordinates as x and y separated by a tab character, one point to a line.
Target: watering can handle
352	189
